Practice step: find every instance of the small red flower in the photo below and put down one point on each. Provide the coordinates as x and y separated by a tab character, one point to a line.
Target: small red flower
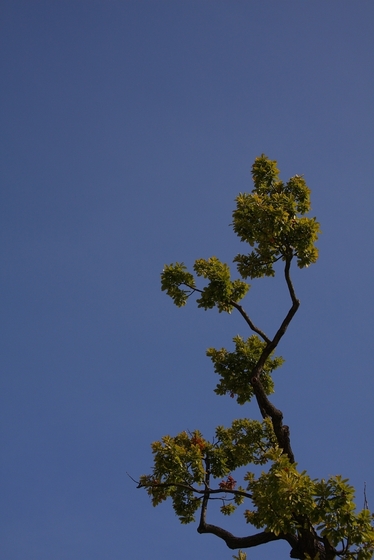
195	440
228	484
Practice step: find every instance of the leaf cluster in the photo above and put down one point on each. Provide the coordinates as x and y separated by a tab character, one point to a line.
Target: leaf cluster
220	292
236	368
172	278
178	465
280	496
271	219
245	441
181	463
338	521
283	496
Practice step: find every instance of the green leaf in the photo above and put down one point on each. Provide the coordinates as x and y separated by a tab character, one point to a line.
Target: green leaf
241	556
235	368
172	278
220	292
271	219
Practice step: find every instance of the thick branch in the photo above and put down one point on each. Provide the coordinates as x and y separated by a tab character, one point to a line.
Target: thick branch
230	539
238	542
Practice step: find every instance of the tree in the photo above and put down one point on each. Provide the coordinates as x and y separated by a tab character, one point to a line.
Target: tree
316	517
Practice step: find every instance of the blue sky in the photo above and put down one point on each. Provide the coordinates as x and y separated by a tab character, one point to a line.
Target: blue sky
128	129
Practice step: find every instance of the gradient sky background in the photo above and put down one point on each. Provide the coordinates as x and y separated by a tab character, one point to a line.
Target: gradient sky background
128	128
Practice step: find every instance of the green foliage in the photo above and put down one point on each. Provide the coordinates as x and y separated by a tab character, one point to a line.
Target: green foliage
176	275
283	496
246	441
271	220
337	520
235	368
178	464
221	291
280	496
227	509
189	469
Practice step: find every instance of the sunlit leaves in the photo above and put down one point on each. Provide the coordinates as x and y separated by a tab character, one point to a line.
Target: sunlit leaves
280	496
228	509
282	499
271	220
337	519
172	278
241	556
283	496
220	291
236	368
178	465
244	442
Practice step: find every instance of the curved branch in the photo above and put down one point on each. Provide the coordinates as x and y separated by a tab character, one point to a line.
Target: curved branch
289	282
234	542
286	321
231	540
266	407
249	322
295	306
242	312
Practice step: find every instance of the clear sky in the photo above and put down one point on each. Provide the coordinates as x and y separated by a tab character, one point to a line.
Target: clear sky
128	128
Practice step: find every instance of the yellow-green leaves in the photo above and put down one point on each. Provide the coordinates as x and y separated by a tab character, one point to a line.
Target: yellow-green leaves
245	442
281	500
264	173
241	556
220	291
283	496
337	520
271	220
172	278
280	496
236	368
178	464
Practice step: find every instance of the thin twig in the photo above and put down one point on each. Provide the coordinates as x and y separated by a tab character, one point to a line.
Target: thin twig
206	491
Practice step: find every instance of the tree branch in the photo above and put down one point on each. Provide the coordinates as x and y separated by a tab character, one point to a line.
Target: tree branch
249	322
230	539
206	491
234	542
266	407
290	315
242	312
